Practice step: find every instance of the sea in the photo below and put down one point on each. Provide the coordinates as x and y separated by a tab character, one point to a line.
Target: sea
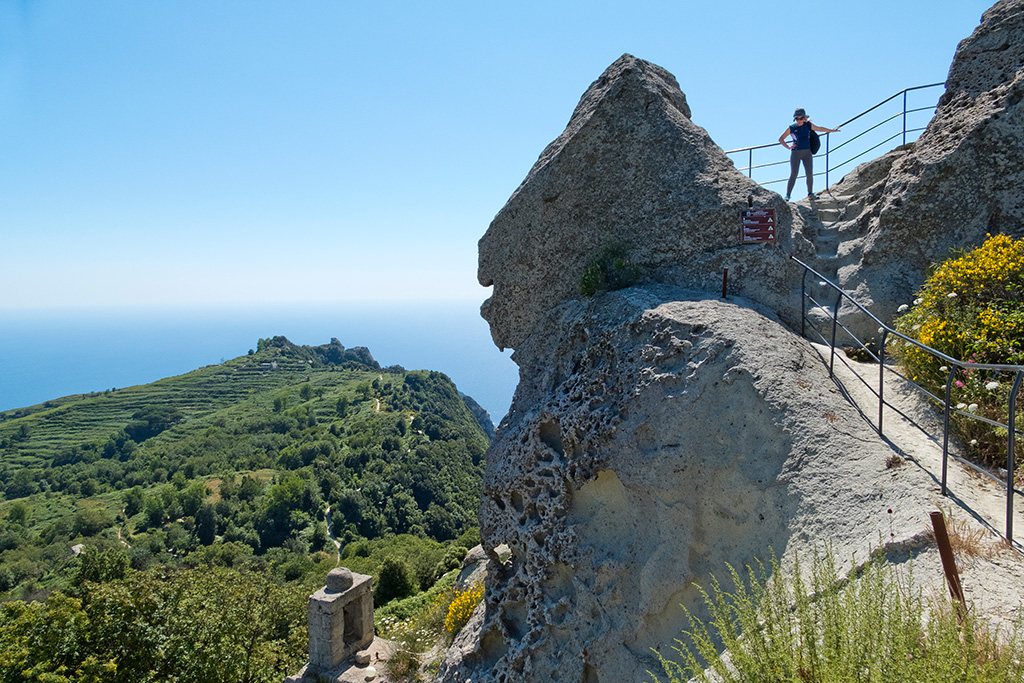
50	353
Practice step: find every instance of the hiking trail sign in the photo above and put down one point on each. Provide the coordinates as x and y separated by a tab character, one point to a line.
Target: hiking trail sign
757	225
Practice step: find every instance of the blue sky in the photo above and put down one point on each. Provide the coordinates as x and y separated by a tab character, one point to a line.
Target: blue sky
203	153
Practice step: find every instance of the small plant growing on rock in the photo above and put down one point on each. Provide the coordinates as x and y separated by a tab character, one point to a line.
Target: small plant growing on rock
608	271
461	608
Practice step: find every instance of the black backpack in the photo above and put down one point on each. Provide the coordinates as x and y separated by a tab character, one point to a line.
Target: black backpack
815	142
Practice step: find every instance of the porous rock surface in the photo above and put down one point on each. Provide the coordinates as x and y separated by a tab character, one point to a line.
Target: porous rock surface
655	435
961	180
631	169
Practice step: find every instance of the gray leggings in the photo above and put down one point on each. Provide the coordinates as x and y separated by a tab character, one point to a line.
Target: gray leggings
795	157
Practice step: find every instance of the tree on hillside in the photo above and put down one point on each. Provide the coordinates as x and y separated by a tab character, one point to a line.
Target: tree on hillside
206	524
394	582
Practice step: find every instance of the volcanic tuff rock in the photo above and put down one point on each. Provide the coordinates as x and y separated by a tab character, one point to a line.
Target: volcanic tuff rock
655	435
658	432
631	169
963	178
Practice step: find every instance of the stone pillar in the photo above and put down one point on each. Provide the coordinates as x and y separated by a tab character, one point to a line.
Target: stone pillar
340	619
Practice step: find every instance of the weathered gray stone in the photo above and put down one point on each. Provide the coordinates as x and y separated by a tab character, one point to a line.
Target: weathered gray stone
338	580
962	179
655	435
630	169
476	565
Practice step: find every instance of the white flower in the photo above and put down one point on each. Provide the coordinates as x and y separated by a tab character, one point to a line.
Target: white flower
992	385
974	442
880	330
917	327
973	408
961	406
951	295
944	368
918	302
822	283
902	308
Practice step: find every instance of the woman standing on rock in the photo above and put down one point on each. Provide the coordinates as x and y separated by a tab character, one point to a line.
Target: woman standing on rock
800	142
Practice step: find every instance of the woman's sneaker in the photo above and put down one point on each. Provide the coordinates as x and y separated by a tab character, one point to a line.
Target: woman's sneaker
812	196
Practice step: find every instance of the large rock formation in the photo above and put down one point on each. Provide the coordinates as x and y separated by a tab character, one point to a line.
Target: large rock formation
962	179
630	170
655	435
658	432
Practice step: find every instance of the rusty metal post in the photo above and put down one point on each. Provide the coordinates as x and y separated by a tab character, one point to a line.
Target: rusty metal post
725	281
948	562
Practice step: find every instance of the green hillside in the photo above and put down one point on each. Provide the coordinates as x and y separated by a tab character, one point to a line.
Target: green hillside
236	465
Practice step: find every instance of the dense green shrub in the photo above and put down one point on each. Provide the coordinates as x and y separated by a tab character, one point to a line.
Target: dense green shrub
972	309
395	581
211	625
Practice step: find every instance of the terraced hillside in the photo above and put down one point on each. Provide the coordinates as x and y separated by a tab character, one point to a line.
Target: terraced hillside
237	463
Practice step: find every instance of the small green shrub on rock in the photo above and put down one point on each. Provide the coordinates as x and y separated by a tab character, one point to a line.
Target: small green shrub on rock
608	271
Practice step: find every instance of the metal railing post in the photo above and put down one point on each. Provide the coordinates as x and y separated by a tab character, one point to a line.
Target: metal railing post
835	323
803	303
881	379
904	117
750	163
945	427
1011	440
826	160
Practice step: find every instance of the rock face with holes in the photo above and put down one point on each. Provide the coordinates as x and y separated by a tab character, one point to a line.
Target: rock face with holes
963	178
655	435
631	172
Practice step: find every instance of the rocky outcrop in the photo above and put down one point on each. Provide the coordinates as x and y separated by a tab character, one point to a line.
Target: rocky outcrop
962	179
482	417
655	435
659	432
632	171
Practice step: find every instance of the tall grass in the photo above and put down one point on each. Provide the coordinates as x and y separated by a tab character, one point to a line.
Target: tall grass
877	627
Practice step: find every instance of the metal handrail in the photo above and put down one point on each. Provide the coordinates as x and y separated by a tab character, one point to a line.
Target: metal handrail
751	167
949	361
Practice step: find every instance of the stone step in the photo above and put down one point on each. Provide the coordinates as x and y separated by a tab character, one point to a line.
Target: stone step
829	214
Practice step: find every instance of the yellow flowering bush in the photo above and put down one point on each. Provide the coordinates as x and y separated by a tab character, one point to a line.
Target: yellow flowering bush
461	608
972	309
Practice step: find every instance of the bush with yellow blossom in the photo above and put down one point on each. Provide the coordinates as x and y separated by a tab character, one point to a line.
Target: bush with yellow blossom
461	608
972	309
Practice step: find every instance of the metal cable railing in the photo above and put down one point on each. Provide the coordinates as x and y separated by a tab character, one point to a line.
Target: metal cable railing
831	311
883	138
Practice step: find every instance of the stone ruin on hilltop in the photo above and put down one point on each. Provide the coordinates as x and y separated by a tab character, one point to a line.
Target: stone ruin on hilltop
659	431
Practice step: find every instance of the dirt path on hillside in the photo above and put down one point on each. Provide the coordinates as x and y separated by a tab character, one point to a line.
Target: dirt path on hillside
330	533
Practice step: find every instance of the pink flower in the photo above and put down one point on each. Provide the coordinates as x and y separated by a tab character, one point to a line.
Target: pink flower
958	383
